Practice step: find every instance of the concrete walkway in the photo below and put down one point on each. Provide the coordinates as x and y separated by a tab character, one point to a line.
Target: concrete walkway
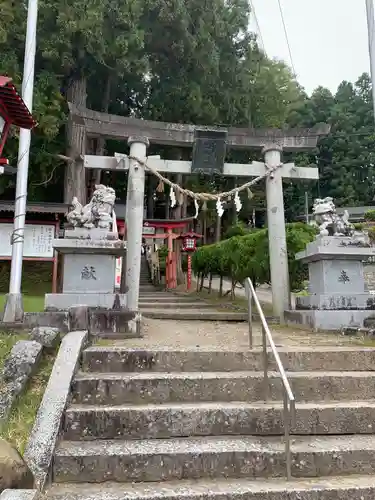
226	336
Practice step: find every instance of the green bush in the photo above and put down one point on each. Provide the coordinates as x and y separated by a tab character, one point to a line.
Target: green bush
239	229
163	252
371	234
245	256
369	216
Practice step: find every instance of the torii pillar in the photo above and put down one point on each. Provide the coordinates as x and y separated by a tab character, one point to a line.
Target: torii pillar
276	232
134	215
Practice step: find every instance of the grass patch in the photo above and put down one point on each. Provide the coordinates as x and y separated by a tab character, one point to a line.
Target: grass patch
21	419
22	416
363	341
31	303
103	342
36	282
36	277
7	341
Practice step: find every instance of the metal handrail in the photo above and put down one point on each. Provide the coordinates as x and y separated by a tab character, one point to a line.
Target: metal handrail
289	399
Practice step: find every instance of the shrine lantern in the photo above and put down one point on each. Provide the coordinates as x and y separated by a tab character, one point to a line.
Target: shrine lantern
189	241
189	245
13	111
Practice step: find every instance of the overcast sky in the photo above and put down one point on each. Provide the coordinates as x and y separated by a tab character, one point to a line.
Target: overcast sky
328	38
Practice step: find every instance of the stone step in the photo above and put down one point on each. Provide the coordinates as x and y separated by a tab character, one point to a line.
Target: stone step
122	359
144	388
331	488
175	304
195	314
160	421
211	457
165	297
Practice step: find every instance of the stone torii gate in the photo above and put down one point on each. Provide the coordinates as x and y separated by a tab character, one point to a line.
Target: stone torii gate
272	142
141	132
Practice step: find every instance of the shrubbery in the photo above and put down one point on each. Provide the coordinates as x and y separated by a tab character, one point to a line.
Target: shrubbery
245	256
369	216
239	229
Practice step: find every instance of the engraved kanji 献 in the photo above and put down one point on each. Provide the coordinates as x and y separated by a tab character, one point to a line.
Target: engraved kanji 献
88	273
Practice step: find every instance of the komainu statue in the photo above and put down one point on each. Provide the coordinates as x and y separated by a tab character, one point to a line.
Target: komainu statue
98	213
328	221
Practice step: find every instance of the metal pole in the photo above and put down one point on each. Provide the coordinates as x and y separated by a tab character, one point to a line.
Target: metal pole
288	455
307	207
14	308
249	311
265	364
371	45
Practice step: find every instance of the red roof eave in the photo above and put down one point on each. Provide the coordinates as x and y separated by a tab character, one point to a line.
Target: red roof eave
12	107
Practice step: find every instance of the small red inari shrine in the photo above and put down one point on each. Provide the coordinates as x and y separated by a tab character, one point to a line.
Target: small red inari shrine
13	111
170	231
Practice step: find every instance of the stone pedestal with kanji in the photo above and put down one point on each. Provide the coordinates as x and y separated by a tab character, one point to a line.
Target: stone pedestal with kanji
337	293
89	258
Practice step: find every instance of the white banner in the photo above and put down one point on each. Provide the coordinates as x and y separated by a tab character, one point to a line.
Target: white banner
37	242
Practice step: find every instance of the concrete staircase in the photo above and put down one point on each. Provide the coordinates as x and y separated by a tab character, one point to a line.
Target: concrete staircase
154	424
158	304
145	283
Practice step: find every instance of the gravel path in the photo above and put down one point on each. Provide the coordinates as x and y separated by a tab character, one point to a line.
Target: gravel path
216	335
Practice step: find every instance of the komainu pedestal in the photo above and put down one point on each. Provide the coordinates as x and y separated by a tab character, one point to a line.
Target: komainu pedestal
88	271
337	291
89	254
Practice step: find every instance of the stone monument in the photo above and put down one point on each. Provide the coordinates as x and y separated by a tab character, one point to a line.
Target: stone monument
337	293
90	250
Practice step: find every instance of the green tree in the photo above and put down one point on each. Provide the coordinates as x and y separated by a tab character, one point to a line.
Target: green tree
245	256
47	108
101	40
206	67
173	61
346	157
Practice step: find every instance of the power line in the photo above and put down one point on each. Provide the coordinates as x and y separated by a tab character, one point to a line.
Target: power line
287	38
259	33
371	46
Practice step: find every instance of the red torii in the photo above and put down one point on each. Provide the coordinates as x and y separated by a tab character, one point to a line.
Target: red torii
13	110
